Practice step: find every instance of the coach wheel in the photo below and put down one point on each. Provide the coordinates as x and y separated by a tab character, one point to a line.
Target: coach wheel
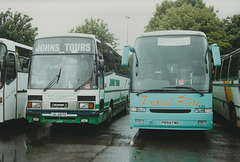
109	116
126	105
233	117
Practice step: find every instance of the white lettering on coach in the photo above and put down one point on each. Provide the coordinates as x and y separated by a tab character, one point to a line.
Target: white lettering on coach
75	47
47	48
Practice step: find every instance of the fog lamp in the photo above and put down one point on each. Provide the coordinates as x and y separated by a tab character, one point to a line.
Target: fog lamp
84	120
202	122
36	119
139	121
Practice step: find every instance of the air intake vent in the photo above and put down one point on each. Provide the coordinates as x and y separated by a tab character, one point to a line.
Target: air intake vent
35	97
86	98
169	111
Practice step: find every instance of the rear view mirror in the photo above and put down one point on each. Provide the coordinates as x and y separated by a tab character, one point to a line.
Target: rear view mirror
101	64
216	54
26	63
125	56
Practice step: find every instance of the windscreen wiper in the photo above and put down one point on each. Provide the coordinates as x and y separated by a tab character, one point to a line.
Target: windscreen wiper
180	87
150	90
54	80
82	84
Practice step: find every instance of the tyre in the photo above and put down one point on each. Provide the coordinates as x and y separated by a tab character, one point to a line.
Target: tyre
109	115
233	115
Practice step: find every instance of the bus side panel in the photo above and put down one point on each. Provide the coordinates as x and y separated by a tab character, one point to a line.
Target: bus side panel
116	91
171	111
22	94
225	93
219	99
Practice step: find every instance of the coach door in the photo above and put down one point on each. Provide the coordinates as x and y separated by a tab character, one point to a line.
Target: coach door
10	88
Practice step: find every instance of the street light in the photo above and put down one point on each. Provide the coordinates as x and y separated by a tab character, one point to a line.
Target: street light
127	17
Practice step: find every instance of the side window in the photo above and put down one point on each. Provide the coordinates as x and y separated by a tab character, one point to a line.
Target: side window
233	72
218	73
108	63
11	70
99	47
19	65
214	70
224	74
117	62
23	64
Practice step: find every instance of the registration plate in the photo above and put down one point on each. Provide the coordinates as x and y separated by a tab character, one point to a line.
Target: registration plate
59	114
170	122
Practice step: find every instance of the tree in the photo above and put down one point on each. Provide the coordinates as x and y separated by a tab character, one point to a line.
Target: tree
232	29
190	15
162	9
96	27
17	27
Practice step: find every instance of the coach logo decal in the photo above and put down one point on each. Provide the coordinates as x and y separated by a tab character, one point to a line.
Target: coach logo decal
181	100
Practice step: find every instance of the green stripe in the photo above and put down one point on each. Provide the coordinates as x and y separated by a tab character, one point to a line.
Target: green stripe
116	90
123	98
116	100
106	104
97	106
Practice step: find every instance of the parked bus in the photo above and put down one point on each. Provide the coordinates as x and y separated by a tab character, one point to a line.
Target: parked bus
226	88
171	80
14	68
75	78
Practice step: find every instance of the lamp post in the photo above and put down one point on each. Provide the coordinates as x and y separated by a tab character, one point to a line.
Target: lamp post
127	17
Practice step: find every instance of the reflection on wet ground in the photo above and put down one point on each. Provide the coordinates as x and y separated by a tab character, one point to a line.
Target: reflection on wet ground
20	141
220	144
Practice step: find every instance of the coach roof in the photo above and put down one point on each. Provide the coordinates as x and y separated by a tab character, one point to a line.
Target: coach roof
11	45
70	35
173	32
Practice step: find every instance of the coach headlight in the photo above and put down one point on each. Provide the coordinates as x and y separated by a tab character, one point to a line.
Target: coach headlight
34	104
138	109
86	105
203	110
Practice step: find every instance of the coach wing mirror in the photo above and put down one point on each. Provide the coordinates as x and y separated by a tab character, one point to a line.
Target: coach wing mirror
216	54
26	63
125	55
101	64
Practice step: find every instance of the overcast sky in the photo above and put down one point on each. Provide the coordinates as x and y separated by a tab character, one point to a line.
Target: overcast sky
59	16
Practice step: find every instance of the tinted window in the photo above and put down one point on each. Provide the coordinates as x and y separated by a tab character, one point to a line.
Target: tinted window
233	72
166	61
11	71
225	69
107	55
218	73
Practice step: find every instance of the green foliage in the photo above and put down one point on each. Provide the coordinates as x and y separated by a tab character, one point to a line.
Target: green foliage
232	29
17	27
190	15
96	27
162	9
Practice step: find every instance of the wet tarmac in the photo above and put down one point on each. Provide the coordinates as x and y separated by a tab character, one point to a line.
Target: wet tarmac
20	141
